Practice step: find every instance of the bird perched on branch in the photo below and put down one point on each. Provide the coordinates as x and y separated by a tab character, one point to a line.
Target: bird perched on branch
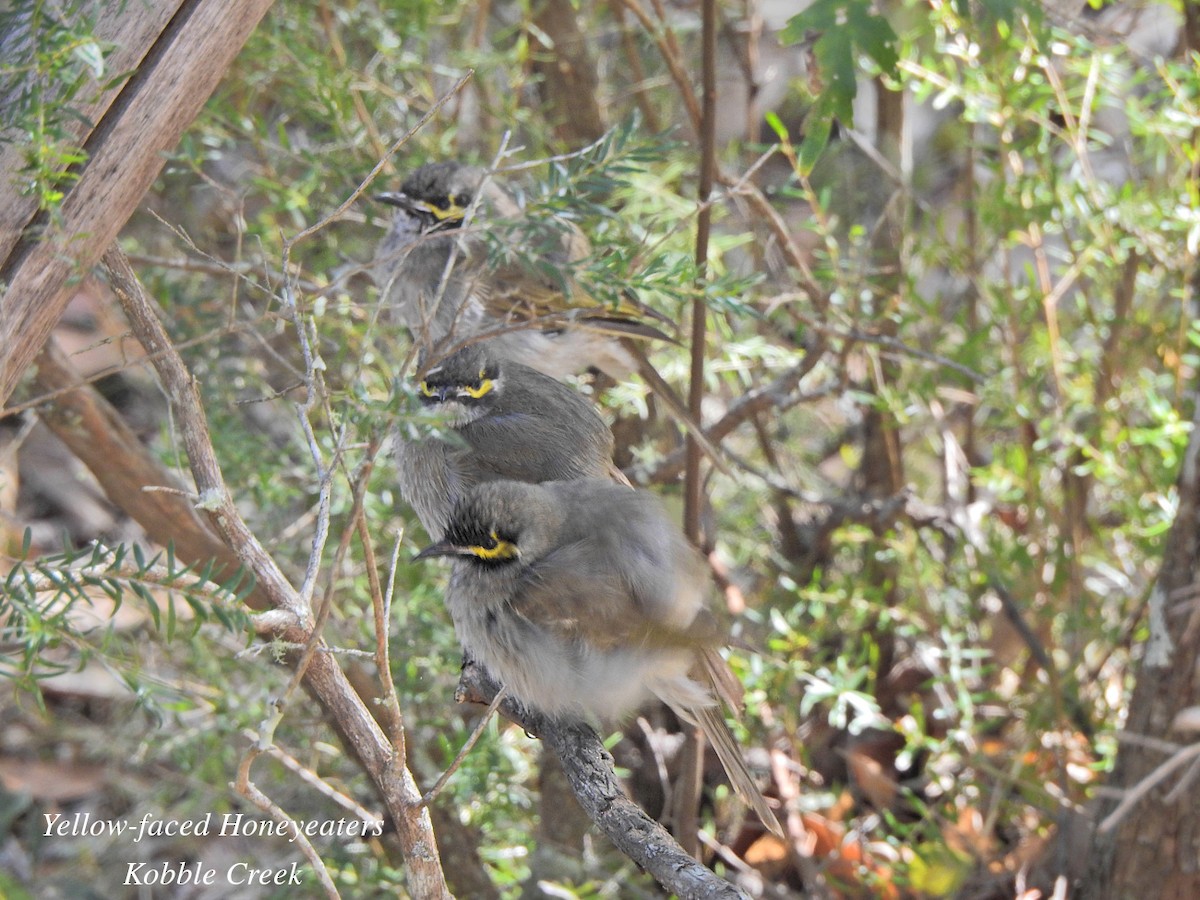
432	269
582	599
515	423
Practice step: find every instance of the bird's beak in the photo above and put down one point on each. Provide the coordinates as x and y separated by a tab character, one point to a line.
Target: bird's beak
400	199
442	548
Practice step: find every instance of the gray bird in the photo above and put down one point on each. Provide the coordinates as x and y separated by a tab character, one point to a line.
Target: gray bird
515	423
583	600
435	275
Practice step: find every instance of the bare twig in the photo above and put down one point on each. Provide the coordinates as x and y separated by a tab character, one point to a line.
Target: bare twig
780	395
691	777
803	842
185	398
1136	793
476	734
693	487
381	605
246	788
124	467
665	41
321	786
379	166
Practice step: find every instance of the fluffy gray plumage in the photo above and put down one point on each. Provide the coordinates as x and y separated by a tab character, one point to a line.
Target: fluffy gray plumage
525	426
583	599
524	313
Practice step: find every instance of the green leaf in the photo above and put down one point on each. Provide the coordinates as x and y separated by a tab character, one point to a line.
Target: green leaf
90	54
818	127
777	125
839	31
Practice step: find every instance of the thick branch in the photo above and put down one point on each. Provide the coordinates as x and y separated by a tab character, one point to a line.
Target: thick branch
1154	846
130	35
589	769
125	153
569	84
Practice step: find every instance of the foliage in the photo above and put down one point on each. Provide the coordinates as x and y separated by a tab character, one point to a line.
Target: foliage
38	604
52	68
943	658
843	29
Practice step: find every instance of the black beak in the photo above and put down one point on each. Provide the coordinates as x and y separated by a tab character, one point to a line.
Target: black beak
442	548
437	395
400	199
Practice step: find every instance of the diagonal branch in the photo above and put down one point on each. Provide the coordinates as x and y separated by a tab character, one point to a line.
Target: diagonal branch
291	620
589	769
95	432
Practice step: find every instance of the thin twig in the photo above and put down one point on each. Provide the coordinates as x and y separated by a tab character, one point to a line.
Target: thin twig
321	786
214	495
246	788
1136	793
379	166
691	781
291	617
693	486
476	734
381	605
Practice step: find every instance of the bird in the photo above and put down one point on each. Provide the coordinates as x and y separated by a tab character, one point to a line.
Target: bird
435	274
583	600
515	423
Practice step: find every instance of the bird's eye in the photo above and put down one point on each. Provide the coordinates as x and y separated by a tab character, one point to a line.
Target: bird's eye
426	390
444	210
462	200
494	548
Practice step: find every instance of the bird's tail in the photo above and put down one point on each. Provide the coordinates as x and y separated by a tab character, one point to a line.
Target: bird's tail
713	725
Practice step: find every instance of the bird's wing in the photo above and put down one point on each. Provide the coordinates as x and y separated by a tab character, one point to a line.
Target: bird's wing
521	290
573	596
566	594
502	448
716	672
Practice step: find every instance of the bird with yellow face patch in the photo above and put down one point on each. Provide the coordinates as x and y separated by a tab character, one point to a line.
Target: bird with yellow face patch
515	423
584	601
433	271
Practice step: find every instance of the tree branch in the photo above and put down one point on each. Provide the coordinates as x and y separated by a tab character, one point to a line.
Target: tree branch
292	616
95	432
126	150
589	769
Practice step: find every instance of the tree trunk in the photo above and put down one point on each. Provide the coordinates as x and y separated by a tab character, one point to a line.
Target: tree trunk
1154	850
569	85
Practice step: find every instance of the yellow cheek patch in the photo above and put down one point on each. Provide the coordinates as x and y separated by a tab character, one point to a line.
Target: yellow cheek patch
499	549
448	213
478	390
